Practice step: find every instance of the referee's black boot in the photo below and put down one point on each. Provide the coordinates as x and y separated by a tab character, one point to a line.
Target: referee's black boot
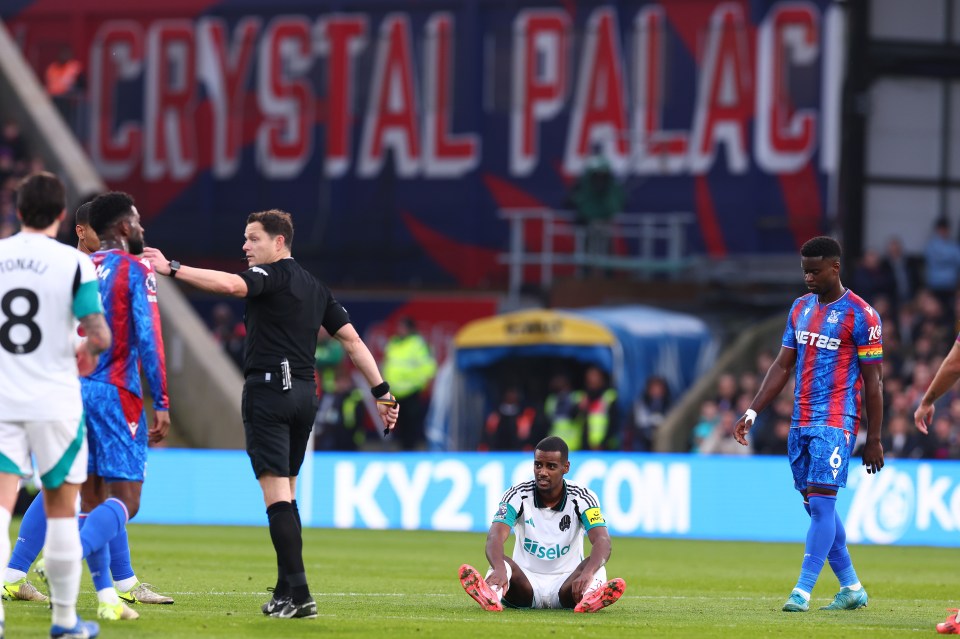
290	610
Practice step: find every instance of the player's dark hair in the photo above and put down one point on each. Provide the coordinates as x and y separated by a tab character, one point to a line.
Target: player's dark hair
823	247
107	209
40	199
554	445
275	222
82	216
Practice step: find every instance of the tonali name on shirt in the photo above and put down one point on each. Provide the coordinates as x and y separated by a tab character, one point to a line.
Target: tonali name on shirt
21	264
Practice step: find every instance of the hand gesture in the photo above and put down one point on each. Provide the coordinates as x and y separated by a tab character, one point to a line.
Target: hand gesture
873	456
389	409
923	417
161	426
86	361
743	427
160	263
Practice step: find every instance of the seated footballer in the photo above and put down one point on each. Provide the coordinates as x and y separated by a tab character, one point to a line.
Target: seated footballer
548	569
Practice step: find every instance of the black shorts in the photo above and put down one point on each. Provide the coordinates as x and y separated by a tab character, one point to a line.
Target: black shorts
277	423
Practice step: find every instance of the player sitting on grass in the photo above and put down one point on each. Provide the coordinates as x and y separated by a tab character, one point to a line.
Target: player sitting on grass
548	569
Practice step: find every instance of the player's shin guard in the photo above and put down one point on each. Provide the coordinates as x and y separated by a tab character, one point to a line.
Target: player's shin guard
288	544
99	563
839	556
30	538
62	555
120	565
103	524
820	537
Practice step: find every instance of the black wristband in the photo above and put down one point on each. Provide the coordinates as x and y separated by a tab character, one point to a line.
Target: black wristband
380	390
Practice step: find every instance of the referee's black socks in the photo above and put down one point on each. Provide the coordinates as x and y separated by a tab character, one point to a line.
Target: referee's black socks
288	544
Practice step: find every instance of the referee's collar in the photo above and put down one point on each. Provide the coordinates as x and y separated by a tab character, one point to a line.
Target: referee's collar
538	503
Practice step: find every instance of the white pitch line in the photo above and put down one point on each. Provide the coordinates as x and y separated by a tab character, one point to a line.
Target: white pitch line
459	595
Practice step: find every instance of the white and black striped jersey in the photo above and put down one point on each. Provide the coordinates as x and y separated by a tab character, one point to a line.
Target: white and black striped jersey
549	540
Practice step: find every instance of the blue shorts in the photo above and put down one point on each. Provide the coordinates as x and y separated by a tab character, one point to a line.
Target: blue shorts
116	432
819	456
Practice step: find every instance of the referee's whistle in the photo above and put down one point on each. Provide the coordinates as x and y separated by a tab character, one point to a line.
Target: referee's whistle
389	403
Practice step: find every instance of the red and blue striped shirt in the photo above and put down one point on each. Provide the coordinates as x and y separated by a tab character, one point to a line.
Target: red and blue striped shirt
128	287
832	342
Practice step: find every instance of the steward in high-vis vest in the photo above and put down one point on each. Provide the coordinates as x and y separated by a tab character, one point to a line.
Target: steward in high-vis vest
599	412
408	357
562	411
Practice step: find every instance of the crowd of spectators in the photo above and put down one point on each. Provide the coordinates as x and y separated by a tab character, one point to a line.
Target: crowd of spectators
916	298
15	163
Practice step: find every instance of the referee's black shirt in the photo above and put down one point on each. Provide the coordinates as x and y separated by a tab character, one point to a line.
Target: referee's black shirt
286	306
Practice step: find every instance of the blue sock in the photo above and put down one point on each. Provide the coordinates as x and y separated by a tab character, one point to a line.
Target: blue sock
120	566
103	523
839	556
99	563
30	537
820	537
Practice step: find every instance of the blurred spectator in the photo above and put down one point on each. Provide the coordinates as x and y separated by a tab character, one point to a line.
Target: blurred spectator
228	332
14	159
64	81
709	416
942	263
773	439
597	198
339	424
510	425
941	443
561	410
326	360
721	441
599	411
901	275
409	367
900	440
649	411
727	390
869	279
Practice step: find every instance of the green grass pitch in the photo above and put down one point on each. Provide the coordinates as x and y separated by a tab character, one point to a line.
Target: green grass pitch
401	584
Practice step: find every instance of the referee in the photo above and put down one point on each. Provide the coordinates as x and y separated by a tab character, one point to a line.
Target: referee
286	306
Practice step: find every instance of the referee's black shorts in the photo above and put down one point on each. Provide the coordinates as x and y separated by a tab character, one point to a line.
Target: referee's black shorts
277	423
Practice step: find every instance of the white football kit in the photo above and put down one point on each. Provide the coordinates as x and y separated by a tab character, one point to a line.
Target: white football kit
44	286
549	541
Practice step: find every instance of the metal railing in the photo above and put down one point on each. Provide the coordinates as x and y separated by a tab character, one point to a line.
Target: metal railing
643	244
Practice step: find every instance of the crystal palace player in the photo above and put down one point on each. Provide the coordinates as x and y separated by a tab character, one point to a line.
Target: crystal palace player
834	339
548	569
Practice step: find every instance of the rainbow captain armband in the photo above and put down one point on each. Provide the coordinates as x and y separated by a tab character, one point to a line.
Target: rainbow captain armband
870	353
593	517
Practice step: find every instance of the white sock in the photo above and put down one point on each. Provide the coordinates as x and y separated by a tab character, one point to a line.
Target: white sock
63	552
802	593
4	542
108	596
13	575
855	586
496	589
126	584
